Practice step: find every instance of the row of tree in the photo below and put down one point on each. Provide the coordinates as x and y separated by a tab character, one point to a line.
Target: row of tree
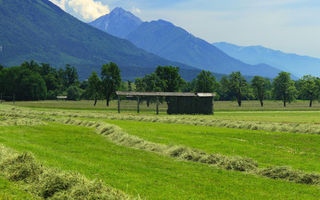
33	81
234	86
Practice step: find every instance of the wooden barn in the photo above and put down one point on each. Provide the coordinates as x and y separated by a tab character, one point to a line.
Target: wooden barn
178	102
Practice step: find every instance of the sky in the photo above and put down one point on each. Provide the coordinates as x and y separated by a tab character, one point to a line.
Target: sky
291	26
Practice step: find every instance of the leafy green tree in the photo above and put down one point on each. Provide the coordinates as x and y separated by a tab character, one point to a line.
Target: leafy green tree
32	65
32	87
22	84
111	80
260	86
284	88
74	93
235	86
149	83
70	76
1	67
129	86
169	77
206	82
140	85
94	87
309	88
189	86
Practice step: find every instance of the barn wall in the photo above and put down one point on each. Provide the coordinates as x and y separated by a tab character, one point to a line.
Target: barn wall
190	105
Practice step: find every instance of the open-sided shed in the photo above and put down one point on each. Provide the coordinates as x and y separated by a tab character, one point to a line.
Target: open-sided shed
178	102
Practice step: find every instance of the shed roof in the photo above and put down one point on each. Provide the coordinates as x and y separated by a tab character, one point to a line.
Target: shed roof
166	94
62	97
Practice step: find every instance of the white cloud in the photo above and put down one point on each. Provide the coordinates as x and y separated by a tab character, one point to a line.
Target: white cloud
135	10
84	9
60	3
88	9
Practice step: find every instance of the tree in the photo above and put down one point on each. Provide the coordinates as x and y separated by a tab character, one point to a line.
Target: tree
149	83
206	82
32	87
140	85
1	67
260	86
70	76
111	80
309	88
74	93
169	77
235	86
129	86
94	87
189	86
284	88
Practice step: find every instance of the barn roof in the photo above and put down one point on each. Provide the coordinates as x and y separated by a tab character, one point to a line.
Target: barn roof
166	94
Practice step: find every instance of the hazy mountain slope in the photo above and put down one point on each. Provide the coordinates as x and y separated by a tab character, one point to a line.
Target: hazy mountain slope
296	64
39	30
166	40
118	23
174	43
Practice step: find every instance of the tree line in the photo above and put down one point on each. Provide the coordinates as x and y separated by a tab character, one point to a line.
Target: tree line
33	81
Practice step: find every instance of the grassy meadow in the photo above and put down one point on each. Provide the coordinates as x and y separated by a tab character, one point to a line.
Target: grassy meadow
133	165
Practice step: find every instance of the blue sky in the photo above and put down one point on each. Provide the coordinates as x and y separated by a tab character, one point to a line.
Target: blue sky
288	25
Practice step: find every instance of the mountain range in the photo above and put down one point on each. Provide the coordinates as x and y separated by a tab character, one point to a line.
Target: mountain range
39	30
174	43
296	64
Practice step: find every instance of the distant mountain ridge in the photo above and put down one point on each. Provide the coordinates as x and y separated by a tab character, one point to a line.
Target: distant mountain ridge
174	43
296	64
118	23
39	30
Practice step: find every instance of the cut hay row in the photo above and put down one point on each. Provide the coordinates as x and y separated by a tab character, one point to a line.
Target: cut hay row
47	183
20	121
183	119
247	165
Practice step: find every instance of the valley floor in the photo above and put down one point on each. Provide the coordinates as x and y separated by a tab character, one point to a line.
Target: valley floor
234	154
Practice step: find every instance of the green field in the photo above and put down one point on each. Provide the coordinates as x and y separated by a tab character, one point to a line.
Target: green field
131	105
142	173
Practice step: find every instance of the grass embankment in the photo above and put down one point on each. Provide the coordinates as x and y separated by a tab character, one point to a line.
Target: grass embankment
139	172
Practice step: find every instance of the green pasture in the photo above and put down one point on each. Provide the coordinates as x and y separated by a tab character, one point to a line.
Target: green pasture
131	105
10	191
299	151
137	172
148	175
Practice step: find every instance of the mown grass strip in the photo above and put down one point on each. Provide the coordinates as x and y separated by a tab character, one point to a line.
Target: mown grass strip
118	136
183	119
47	183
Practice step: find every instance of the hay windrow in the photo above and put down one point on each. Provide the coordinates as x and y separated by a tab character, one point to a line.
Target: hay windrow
287	173
247	165
48	183
20	121
188	120
118	136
